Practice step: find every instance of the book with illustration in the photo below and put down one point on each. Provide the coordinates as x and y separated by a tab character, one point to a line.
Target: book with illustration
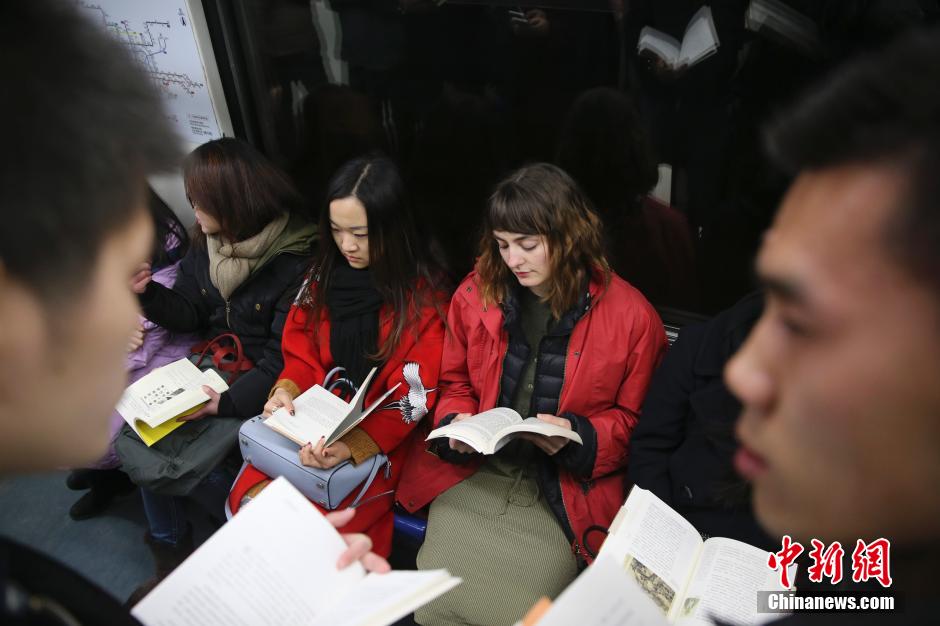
152	405
686	579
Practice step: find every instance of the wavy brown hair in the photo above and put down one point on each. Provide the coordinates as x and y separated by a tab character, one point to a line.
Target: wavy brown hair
541	199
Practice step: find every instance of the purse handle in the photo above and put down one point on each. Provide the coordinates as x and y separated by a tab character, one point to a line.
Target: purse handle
235	367
368	481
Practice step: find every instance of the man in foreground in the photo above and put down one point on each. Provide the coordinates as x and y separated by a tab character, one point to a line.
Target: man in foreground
840	378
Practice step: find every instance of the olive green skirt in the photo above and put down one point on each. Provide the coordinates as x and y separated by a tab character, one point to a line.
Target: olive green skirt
496	532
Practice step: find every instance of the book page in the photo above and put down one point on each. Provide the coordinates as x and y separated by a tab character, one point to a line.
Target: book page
725	585
357	415
480	430
700	40
274	563
385	598
317	412
535	425
603	595
656	546
167	392
660	44
783	24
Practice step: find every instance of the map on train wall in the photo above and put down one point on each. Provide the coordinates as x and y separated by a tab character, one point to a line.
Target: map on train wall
160	35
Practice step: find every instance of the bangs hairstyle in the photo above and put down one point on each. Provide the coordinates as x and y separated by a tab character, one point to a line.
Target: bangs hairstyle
238	186
542	200
398	263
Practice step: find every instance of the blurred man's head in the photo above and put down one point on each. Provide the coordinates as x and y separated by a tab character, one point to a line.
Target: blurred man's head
82	129
840	379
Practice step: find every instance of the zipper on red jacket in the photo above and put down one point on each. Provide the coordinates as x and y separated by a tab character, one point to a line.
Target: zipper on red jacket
575	547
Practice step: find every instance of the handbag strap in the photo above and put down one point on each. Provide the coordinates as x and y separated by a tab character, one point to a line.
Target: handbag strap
365	485
219	353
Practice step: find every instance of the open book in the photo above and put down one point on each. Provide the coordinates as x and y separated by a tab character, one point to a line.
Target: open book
783	24
699	42
603	594
275	563
320	413
690	581
151	405
489	431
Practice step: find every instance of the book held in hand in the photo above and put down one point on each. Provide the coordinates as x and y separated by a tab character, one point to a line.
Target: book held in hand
654	568
699	42
320	413
690	580
152	404
489	431
275	563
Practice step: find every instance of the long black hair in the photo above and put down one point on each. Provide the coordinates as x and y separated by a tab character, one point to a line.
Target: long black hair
400	268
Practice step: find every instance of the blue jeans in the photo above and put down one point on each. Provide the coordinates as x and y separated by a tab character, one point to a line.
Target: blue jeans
166	515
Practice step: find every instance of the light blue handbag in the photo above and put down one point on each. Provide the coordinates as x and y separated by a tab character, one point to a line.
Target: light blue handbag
276	455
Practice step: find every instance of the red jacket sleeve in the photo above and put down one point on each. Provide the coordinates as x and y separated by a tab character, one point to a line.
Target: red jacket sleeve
457	393
302	363
607	432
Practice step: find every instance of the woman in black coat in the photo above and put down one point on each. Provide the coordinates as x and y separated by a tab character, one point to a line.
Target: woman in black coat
240	276
683	445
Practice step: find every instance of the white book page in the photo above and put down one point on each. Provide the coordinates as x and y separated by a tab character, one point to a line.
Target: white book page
381	599
656	546
725	585
604	595
701	38
129	406
481	430
317	412
779	19
274	563
660	44
535	425
357	415
164	393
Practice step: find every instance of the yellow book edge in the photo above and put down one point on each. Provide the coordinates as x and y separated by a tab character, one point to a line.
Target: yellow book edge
151	436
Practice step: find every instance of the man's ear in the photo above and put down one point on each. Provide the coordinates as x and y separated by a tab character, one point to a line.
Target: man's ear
21	316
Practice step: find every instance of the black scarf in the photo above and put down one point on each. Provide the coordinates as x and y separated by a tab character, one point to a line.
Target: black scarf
353	304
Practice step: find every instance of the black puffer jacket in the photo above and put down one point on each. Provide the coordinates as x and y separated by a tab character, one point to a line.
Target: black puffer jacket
550	368
255	312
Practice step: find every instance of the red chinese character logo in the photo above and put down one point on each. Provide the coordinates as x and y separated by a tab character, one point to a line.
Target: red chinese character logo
784	559
826	562
872	561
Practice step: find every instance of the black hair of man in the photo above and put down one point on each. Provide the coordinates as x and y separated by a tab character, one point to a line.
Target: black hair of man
82	127
881	110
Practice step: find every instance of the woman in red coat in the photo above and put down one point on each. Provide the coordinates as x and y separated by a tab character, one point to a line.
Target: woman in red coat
369	302
544	327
